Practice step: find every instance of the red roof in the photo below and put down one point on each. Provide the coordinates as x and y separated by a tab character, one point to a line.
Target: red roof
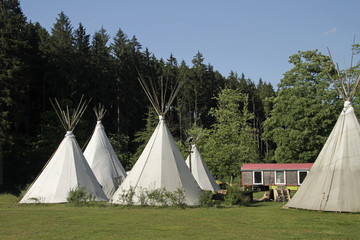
276	166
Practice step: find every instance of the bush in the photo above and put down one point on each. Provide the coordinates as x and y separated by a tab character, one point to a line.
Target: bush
177	198
154	197
206	199
235	196
79	196
23	191
157	196
127	196
143	197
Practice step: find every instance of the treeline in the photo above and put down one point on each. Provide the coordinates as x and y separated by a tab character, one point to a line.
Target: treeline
68	63
239	120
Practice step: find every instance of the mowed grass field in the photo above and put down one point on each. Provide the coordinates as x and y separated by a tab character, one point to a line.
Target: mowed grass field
265	220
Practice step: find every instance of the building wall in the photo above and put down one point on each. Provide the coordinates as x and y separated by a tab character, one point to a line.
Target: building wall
269	178
247	178
291	178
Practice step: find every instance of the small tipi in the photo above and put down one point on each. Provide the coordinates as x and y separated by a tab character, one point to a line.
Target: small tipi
67	169
333	181
102	159
200	171
161	164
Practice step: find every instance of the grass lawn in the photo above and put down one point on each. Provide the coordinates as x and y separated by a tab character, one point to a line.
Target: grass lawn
265	220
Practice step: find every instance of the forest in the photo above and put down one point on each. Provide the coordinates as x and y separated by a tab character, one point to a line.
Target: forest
240	120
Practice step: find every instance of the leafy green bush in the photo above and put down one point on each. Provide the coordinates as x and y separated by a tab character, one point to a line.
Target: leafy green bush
210	199
177	198
157	196
127	196
154	197
206	199
79	196
235	196
143	197
23	191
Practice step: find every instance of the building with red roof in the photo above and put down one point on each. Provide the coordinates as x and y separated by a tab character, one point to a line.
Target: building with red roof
273	175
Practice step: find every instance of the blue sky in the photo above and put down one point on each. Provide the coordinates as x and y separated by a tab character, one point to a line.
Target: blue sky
251	37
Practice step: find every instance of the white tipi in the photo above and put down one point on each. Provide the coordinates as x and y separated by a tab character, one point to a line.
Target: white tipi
333	181
161	164
67	169
200	171
102	159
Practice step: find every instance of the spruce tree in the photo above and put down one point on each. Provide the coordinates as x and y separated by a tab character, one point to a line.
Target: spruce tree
61	56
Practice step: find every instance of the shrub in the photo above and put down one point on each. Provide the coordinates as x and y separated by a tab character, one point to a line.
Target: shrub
234	196
23	191
210	199
143	197
154	197
79	196
206	199
157	196
177	198
127	196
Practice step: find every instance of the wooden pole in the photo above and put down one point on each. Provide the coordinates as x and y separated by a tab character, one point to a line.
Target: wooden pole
190	166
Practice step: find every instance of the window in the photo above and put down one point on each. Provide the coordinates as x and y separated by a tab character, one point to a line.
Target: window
301	176
279	177
257	178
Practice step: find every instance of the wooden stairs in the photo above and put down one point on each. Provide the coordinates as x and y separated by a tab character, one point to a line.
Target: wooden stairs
280	195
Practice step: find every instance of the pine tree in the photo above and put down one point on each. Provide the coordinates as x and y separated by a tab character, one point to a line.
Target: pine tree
61	57
82	59
13	67
102	73
17	45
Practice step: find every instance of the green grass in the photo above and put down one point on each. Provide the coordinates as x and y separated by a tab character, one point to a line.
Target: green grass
265	220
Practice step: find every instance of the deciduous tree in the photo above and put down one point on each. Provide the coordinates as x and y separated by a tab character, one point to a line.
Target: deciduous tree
230	142
305	109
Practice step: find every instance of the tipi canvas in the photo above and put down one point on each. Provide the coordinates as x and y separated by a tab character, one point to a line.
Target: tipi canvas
333	181
66	170
200	171
102	159
160	166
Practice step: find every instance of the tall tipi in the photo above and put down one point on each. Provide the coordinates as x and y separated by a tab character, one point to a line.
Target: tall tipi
161	164
333	181
67	169
102	159
200	171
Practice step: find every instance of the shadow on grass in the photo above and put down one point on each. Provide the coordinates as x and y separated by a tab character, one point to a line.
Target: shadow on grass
266	204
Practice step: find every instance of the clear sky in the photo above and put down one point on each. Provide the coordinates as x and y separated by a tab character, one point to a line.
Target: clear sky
252	37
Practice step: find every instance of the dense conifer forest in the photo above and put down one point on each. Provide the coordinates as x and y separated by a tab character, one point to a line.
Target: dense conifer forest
241	120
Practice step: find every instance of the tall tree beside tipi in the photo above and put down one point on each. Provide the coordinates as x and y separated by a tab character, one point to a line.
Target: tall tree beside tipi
67	169
333	182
